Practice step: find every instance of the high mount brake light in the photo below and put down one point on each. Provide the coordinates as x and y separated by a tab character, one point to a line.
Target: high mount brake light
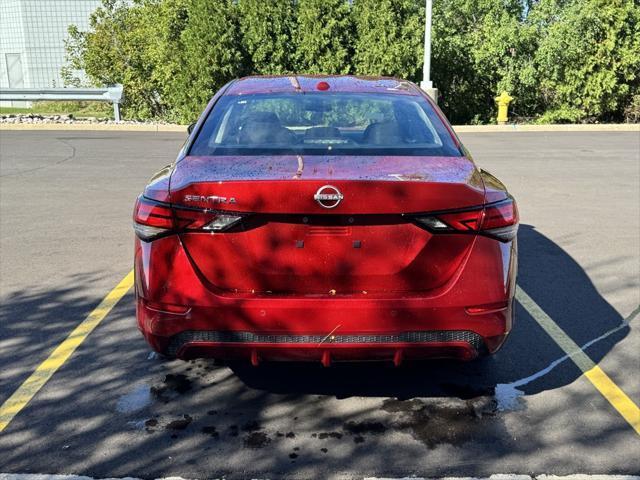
152	219
497	220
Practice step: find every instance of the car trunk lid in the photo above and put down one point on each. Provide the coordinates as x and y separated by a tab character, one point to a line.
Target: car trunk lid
326	225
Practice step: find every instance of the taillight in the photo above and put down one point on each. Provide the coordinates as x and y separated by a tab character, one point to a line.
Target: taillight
501	220
152	219
497	220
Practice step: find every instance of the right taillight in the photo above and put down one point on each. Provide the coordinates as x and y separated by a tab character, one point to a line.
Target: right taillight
498	220
501	220
153	219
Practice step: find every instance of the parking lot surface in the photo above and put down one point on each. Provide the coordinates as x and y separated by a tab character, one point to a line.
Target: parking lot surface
113	409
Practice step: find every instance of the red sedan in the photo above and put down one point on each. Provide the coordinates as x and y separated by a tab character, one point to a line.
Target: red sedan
324	219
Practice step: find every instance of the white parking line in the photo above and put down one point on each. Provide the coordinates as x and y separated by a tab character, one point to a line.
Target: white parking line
598	378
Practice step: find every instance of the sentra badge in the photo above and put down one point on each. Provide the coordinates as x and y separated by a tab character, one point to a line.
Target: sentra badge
213	199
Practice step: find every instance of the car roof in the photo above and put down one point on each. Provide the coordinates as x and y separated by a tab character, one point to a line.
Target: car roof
309	83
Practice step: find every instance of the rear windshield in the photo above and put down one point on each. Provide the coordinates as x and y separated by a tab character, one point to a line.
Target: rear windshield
323	123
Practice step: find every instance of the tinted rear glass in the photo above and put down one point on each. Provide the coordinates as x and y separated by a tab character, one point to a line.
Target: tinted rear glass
323	124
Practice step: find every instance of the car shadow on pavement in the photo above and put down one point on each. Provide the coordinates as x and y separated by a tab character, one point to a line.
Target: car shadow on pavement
551	277
115	410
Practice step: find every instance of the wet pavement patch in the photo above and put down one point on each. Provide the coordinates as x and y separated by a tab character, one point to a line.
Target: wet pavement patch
467	392
172	386
364	427
257	440
135	400
211	431
152	422
252	426
325	435
452	422
179	424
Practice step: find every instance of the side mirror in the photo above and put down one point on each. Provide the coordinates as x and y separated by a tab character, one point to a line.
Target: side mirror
190	128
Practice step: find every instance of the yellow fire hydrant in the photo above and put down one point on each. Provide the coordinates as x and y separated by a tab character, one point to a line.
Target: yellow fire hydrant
503	102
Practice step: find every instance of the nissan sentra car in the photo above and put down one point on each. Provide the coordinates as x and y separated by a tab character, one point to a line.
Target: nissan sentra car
325	219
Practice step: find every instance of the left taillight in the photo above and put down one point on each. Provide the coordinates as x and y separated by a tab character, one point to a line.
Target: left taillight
153	219
496	220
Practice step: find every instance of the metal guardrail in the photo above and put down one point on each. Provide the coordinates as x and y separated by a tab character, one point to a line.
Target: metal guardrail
112	94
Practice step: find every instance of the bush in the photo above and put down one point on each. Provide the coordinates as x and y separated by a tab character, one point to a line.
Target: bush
208	57
266	29
562	60
588	61
323	37
389	37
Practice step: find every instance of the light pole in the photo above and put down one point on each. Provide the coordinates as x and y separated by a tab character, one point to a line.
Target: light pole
426	84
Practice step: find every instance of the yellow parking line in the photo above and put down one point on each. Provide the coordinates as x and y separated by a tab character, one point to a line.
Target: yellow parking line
23	395
599	379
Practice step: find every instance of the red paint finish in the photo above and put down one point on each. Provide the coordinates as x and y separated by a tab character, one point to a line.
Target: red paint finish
243	252
309	83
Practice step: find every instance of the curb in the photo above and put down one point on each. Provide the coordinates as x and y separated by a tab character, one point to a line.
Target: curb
605	127
110	127
153	127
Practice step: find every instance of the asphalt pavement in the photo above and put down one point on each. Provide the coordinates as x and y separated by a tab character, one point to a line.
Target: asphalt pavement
114	410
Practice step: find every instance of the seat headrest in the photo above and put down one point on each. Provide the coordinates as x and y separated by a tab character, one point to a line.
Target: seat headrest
382	133
315	133
265	117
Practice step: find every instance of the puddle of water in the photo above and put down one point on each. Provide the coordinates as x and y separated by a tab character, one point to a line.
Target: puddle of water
437	422
508	397
135	400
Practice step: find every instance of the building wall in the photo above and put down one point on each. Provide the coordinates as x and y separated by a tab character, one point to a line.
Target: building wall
12	44
35	30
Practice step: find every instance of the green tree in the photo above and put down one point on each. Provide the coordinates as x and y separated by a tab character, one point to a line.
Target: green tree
117	49
477	49
588	59
266	28
166	20
389	37
323	37
210	55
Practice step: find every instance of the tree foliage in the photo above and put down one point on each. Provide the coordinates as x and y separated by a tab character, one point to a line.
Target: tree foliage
389	37
210	55
267	30
114	51
323	37
588	60
562	60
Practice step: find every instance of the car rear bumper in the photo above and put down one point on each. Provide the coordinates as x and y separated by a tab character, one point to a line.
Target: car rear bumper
472	316
186	346
370	332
